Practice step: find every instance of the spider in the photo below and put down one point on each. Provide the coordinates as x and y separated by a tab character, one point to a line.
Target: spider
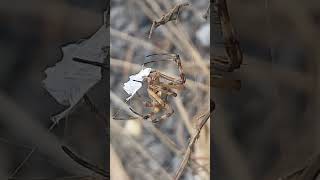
160	87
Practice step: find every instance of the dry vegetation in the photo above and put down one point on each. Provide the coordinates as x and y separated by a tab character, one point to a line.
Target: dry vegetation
160	151
267	130
270	128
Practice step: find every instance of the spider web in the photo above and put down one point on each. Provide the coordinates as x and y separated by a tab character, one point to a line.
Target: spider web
136	102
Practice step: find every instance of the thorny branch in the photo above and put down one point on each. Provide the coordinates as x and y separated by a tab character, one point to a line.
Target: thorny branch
172	15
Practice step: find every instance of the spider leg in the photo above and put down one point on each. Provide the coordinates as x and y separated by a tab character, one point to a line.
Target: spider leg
169	112
154	96
122	119
174	83
169	78
161	54
162	104
164	88
146	104
135	112
149	116
182	80
175	58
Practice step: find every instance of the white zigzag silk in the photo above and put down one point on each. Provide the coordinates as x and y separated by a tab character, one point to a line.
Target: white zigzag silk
132	86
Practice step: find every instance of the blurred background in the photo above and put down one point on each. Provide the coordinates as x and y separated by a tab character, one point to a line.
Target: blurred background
270	128
139	149
31	36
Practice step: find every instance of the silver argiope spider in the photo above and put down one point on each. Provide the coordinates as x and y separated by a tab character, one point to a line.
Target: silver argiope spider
160	87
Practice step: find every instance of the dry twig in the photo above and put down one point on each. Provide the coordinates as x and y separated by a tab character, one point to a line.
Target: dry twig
172	15
85	164
192	141
174	34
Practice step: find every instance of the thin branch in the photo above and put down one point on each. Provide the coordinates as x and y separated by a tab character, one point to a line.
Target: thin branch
17	169
183	163
84	163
